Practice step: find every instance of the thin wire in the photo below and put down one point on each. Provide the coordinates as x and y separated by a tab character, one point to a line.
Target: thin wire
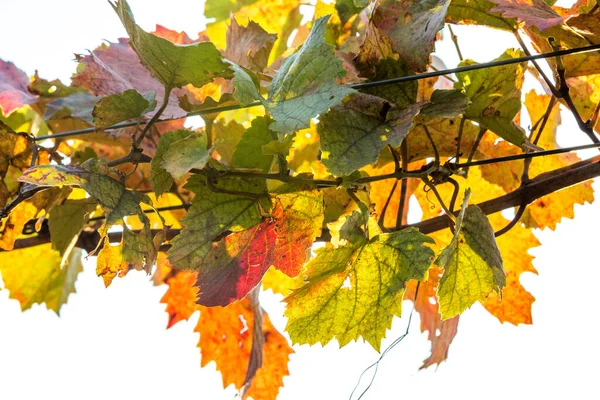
527	155
363	85
390	347
151	210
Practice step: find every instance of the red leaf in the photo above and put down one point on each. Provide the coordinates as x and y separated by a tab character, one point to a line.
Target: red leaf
237	264
13	88
533	12
115	68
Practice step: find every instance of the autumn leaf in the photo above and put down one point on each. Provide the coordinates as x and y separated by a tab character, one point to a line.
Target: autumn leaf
248	152
353	134
174	66
66	221
13	88
495	95
226	337
375	271
578	32
412	28
211	215
446	103
478	12
236	264
110	263
115	68
514	304
401	94
120	107
249	46
38	275
305	84
15	151
185	154
440	333
41	203
546	211
533	12
472	263
221	10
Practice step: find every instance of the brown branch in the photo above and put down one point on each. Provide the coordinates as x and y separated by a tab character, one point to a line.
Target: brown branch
539	186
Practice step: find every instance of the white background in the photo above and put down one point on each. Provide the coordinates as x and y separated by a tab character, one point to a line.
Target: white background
112	343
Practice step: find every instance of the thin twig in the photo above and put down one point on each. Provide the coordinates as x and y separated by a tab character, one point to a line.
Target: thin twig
469	162
514	221
404	184
550	84
542	185
154	118
455	40
459	139
386	205
563	93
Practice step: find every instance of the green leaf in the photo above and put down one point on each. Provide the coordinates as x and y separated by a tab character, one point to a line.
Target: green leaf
495	94
139	248
66	221
221	9
35	275
77	105
160	178
355	290
92	176
478	12
446	103
248	153
400	94
412	27
120	107
353	134
277	147
472	263
227	136
212	214
249	46
246	86
173	65
305	85
185	154
349	8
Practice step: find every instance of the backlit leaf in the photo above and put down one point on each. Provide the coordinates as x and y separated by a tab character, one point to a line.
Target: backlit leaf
412	27
248	152
355	290
472	263
13	88
210	215
533	12
35	275
66	221
187	153
121	107
478	12
354	133
174	66
160	177
495	95
236	264
305	84
249	46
